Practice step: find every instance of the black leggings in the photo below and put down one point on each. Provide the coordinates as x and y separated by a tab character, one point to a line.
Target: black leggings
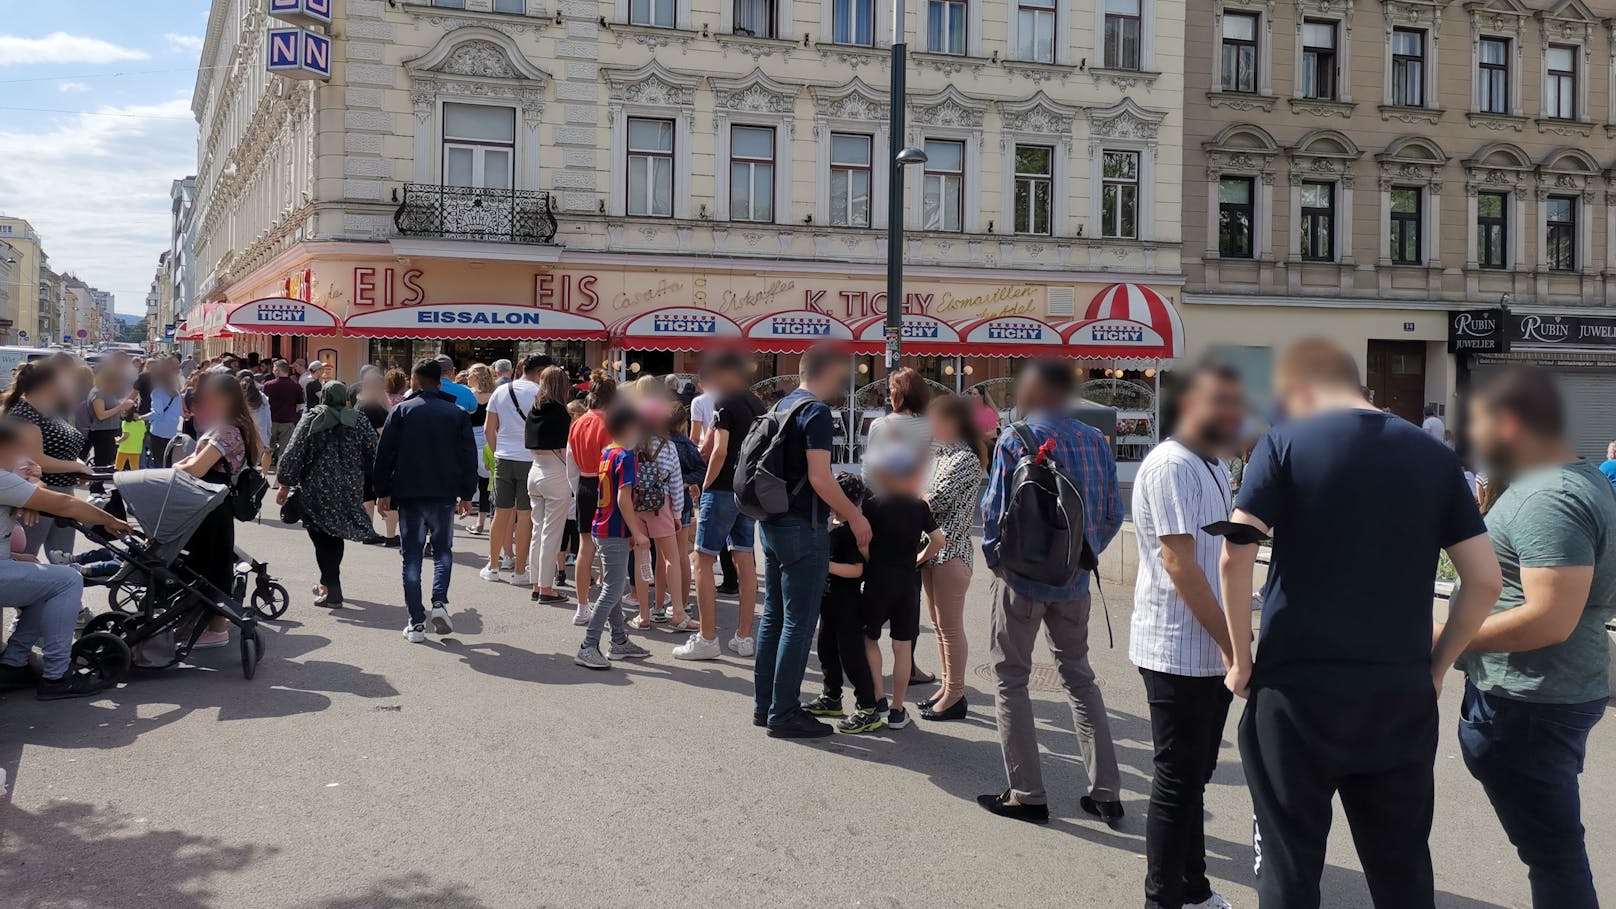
103	447
211	551
841	650
569	537
328	555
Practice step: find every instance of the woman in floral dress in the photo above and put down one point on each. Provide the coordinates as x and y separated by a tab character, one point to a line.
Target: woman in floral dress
331	452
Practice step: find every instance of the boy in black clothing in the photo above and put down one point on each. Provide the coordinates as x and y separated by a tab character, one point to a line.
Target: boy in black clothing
899	521
841	629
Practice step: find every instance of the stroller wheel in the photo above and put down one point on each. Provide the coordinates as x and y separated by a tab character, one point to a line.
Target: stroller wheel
252	650
271	601
102	656
125	599
107	622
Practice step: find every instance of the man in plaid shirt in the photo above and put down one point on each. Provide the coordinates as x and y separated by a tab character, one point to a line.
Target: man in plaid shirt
1021	605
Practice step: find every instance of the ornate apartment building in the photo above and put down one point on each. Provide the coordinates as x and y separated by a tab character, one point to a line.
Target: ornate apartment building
1359	168
613	158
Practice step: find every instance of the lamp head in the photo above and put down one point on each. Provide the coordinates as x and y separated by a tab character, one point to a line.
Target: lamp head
911	155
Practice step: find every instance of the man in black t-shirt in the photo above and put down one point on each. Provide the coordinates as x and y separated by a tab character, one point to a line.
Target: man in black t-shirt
1342	697
719	522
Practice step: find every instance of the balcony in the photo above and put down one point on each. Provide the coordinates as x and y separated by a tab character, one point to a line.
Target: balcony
472	213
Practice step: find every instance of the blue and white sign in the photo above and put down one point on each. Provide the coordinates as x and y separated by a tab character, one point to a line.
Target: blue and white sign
301	12
168	330
299	54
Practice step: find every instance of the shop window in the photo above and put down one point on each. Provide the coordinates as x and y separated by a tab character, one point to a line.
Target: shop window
1035	31
1408	67
654	13
1318	60
1236	217
945	26
1119	194
1492	76
650	167
1123	20
751	173
1492	230
850	174
479	145
943	186
1560	84
1034	183
1318	222
1407	214
853	22
755	18
1561	236
1239	52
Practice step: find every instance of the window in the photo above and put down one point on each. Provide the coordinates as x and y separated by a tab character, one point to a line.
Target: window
479	145
755	18
450	4
1405	239
853	22
1119	194
1318	60
1408	67
1034	183
1562	234
1035	31
1492	230
650	167
1122	30
514	7
943	190
945	26
1239	52
849	180
1561	85
658	13
751	173
1236	215
1492	76
1318	222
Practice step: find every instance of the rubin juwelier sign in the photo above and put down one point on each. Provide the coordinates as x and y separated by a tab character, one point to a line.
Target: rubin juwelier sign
1496	331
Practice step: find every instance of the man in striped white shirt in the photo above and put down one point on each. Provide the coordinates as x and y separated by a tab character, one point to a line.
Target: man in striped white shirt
1178	638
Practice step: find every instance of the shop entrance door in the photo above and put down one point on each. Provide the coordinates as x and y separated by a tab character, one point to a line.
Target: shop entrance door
1397	377
466	352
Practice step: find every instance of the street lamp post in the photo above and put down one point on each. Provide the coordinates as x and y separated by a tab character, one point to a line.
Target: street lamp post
900	160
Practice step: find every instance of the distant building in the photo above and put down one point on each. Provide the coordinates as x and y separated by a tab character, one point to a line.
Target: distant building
20	313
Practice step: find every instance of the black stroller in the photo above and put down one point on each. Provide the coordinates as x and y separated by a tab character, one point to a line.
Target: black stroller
160	606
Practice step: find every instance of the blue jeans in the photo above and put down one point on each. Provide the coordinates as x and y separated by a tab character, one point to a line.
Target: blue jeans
419	522
47	598
796	560
1527	757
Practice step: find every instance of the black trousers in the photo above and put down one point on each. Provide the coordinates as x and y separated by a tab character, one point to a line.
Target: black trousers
328	555
103	446
1300	747
726	565
841	650
1186	723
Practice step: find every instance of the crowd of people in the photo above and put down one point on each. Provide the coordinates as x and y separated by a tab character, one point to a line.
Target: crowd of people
648	490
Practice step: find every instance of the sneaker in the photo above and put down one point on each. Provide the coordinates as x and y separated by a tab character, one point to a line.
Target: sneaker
697	647
897	719
865	720
212	639
800	726
522	580
18	677
440	619
507	563
1215	901
825	705
582	616
743	646
60	557
591	658
488	573
393	542
728	590
68	686
415	634
627	650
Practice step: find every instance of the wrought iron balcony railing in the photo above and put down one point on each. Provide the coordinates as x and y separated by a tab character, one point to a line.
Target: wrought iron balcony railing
472	213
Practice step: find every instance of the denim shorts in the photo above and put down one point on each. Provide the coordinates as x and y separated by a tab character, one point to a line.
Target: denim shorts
721	521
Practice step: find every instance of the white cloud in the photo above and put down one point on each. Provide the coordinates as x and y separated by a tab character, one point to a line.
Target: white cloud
96	188
60	47
73	88
189	43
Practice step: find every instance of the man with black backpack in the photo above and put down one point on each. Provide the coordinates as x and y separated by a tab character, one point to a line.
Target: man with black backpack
783	478
1051	506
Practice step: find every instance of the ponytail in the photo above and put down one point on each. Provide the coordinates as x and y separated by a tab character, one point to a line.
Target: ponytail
27	378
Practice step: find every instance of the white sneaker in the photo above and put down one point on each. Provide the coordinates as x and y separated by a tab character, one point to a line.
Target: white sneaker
506	563
440	619
697	647
743	646
489	573
415	634
1215	901
522	580
60	557
582	616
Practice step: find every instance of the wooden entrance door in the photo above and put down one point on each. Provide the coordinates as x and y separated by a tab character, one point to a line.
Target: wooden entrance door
1397	377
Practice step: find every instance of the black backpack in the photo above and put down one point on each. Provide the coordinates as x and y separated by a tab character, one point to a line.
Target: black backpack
247	491
761	488
1042	535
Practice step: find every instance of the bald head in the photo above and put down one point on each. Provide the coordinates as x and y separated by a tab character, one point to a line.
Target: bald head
1315	374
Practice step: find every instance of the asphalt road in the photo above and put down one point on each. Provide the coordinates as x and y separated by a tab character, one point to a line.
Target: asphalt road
485	770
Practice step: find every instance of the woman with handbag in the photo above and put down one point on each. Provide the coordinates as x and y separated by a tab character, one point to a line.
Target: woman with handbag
229	442
331	452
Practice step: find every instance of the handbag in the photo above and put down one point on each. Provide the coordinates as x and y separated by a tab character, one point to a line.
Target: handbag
292	509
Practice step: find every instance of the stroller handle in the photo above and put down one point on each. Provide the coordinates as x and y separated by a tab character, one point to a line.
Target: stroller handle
98	534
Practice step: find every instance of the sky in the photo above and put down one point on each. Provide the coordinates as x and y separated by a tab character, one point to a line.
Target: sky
95	122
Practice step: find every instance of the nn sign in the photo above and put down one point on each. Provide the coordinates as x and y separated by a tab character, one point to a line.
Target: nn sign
299	54
301	12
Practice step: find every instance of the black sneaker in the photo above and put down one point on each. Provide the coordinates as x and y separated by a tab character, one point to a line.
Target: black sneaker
999	803
729	590
867	719
549	599
825	705
393	542
1110	812
18	677
68	686
759	719
897	719
800	725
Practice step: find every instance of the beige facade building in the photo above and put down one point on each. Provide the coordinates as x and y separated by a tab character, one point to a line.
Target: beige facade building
19	314
1360	170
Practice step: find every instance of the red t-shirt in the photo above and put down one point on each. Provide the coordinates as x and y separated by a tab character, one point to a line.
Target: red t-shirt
586	440
285	397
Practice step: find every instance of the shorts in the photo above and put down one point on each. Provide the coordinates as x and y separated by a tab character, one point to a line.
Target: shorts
588	500
720	521
893	602
660	523
510	485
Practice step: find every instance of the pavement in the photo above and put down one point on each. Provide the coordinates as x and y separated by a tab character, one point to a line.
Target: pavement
484	769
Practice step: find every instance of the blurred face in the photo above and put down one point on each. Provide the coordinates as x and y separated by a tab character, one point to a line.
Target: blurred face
943	429
1214	410
1493	437
906	484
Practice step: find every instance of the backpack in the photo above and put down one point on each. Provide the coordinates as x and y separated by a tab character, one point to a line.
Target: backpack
650	483
761	488
247	491
692	469
1042	534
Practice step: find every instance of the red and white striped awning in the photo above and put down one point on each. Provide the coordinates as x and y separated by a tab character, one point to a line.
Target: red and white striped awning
794	331
923	336
1128	321
675	328
281	316
1012	336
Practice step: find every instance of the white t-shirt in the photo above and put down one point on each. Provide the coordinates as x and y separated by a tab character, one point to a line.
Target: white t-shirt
14	493
1175	492
701	411
1434	427
511	445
